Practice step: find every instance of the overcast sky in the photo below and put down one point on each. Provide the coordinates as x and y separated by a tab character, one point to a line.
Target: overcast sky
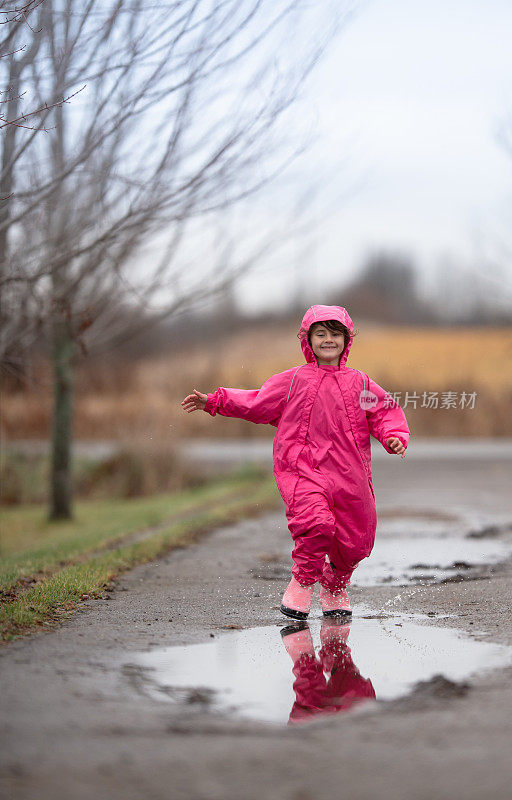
406	109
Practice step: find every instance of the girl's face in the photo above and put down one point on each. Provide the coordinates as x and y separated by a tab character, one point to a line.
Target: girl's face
327	345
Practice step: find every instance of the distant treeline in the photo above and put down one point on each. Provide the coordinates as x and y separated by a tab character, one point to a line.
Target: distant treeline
386	290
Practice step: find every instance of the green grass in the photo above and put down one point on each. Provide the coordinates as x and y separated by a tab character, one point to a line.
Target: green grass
47	567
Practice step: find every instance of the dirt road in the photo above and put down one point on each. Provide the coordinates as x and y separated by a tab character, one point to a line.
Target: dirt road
77	722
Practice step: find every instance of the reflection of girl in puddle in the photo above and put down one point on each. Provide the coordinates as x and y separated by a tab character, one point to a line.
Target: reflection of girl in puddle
330	683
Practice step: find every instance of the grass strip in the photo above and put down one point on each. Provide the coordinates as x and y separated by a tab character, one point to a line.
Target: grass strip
55	597
33	547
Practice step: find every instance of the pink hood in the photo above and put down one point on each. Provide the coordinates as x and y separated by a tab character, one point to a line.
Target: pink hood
322	314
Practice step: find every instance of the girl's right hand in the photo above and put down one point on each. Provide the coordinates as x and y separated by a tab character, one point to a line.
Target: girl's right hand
396	445
194	402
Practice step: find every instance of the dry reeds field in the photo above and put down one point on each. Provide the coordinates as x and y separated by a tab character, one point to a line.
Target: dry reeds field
139	401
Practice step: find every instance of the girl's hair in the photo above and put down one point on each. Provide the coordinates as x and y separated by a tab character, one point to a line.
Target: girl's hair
331	325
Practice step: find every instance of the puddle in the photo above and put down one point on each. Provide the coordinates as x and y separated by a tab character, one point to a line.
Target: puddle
427	550
287	674
427	559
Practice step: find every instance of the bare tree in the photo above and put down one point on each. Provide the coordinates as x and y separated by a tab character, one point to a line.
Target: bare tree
22	117
177	122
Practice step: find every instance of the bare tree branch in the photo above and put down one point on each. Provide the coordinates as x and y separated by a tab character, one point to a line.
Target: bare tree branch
176	115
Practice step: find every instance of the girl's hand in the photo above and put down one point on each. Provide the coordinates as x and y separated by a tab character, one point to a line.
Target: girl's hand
396	446
194	402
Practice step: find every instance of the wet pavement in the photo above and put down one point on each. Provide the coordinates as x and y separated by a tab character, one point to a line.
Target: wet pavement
160	689
382	653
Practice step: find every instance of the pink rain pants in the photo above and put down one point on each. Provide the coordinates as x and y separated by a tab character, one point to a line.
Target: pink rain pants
324	417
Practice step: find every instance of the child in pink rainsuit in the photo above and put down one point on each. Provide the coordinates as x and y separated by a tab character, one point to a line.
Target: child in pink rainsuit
324	412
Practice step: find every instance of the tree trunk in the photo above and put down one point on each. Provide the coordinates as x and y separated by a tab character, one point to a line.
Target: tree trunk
61	483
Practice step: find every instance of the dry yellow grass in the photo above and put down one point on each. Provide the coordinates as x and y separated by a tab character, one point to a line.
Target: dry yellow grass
141	400
436	359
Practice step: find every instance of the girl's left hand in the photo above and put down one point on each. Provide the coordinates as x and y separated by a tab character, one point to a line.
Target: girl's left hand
396	446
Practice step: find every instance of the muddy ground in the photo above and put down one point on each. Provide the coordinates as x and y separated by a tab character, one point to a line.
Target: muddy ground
77	726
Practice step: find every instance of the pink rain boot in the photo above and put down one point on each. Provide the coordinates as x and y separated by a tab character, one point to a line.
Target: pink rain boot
298	642
334	632
335	604
297	600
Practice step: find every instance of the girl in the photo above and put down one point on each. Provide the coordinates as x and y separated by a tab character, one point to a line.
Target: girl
324	412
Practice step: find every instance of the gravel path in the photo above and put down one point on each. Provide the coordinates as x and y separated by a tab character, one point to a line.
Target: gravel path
75	725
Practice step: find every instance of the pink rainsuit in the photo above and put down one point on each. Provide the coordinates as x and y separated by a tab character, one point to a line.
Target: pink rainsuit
324	417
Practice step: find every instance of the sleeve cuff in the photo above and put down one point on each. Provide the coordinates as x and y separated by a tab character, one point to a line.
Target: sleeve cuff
211	405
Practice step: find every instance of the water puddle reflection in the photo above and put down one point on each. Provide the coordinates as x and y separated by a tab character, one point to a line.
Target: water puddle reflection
290	674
